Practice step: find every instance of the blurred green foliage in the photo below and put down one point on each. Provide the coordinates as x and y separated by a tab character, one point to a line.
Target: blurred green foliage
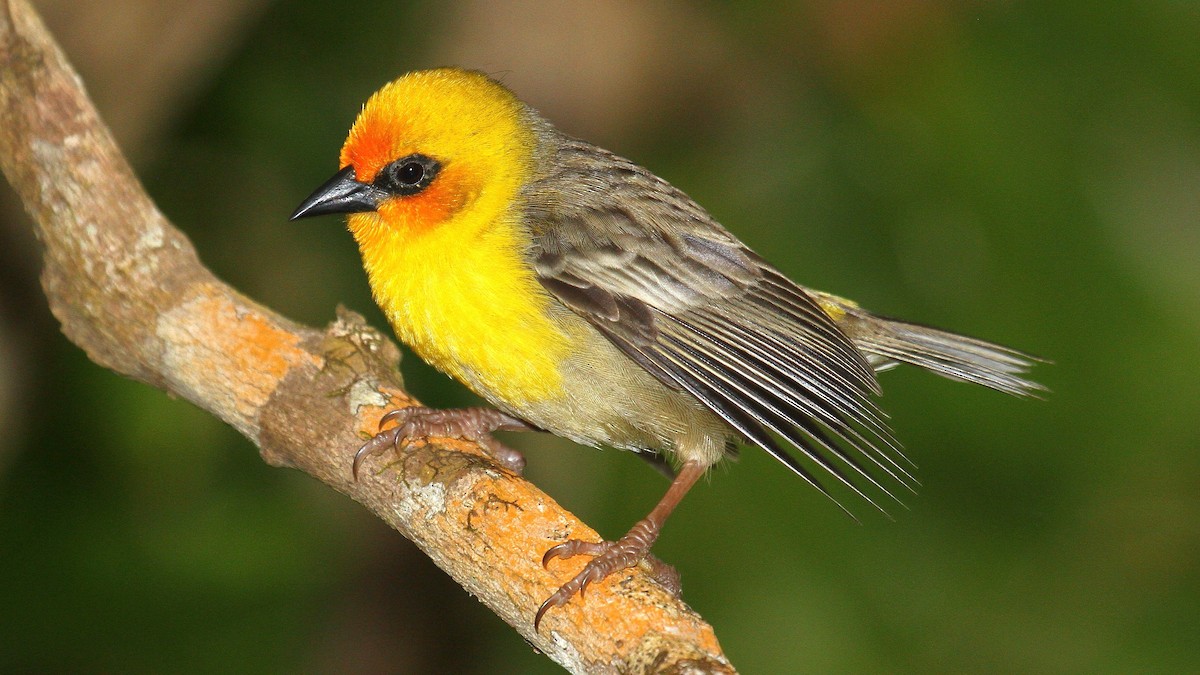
1027	172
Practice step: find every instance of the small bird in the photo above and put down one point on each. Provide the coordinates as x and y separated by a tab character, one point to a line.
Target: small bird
582	295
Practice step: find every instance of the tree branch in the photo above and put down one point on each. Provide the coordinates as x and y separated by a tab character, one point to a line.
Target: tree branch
129	289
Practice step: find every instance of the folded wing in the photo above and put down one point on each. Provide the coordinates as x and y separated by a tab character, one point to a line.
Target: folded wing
703	314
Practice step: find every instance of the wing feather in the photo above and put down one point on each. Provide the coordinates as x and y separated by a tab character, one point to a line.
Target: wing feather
703	314
771	411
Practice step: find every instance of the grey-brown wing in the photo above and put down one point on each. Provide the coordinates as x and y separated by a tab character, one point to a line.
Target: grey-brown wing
698	310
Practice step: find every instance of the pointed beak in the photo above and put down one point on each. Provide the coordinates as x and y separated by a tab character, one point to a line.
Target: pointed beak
341	194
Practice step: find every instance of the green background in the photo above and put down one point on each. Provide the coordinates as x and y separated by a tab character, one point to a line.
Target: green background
1027	172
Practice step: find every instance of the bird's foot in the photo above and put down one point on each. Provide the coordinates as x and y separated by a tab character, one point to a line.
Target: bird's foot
610	557
473	424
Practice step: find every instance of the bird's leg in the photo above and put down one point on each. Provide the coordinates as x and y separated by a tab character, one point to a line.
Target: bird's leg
611	556
474	424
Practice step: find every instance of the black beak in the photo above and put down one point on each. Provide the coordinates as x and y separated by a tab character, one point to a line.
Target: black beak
341	194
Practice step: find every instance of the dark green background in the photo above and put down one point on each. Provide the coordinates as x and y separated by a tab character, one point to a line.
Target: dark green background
1027	172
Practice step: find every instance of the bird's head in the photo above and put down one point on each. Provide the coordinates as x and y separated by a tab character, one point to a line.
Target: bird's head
430	148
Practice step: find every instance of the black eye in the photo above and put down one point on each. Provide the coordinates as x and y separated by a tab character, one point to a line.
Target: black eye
408	175
411	173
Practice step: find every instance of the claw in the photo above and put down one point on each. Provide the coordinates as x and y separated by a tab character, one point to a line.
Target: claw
393	415
468	423
574	547
537	618
608	557
554	552
376	445
358	460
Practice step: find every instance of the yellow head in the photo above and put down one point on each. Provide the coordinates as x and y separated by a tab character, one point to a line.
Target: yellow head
430	148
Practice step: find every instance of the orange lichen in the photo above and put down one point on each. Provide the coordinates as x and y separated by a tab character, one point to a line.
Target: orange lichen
212	343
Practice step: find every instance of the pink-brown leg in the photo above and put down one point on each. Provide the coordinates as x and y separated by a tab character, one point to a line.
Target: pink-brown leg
474	424
625	552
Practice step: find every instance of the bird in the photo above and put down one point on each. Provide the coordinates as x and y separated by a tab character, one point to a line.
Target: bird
582	295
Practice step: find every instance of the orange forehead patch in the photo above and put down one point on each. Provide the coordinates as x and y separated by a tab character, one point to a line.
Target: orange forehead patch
371	146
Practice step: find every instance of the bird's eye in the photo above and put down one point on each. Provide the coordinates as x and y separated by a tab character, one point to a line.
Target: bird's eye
411	173
408	175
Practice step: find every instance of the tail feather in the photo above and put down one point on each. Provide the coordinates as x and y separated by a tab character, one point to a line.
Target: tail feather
958	357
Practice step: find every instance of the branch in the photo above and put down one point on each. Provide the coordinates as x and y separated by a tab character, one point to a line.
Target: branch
129	290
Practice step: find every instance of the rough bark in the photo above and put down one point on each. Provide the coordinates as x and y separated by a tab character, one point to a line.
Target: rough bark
129	290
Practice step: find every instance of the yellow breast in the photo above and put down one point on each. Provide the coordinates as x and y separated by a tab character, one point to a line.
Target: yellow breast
464	300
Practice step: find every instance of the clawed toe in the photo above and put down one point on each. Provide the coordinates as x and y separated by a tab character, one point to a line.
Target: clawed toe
574	547
380	442
609	557
596	570
400	416
555	600
474	424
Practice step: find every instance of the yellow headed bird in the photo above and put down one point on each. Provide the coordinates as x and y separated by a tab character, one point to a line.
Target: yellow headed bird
582	295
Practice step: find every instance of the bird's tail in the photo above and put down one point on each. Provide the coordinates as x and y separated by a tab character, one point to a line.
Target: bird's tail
958	357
